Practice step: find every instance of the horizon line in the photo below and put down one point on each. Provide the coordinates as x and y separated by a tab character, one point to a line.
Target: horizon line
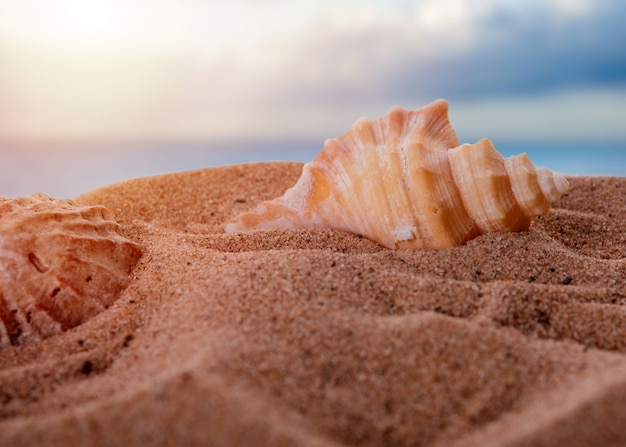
158	142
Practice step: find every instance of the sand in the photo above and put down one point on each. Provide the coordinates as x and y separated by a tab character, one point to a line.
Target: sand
323	338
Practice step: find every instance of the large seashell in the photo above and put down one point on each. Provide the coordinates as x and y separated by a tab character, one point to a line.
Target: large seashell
60	264
402	181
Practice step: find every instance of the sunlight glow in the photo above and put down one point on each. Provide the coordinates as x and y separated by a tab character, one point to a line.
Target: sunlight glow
119	25
81	23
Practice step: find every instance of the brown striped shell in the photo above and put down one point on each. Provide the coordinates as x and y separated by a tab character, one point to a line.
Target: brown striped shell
60	264
403	181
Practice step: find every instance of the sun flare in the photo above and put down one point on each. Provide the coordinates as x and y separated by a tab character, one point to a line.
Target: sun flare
93	69
75	23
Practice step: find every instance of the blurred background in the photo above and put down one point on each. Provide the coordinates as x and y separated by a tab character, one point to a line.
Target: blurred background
97	91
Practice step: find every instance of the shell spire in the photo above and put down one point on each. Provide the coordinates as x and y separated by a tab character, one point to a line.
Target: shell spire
403	181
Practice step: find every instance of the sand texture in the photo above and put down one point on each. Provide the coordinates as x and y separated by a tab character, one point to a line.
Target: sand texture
323	338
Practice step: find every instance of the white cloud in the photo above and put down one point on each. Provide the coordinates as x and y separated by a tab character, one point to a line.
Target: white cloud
575	8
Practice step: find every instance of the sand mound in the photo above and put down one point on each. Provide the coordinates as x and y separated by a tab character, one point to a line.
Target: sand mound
324	338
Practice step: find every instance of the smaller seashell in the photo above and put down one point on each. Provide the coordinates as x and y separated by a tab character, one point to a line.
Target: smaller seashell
402	181
60	264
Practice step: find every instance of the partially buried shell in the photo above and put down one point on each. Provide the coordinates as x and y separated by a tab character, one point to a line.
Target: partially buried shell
60	264
403	181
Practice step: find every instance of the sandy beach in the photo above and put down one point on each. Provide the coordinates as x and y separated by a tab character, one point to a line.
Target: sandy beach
323	338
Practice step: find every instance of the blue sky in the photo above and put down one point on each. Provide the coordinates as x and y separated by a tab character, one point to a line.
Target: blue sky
196	70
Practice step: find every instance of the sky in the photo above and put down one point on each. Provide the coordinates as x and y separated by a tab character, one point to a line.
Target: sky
195	70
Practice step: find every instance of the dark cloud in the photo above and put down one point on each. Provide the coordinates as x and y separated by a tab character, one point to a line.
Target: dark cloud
513	54
533	58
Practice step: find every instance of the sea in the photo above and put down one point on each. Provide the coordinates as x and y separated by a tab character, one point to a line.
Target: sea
65	171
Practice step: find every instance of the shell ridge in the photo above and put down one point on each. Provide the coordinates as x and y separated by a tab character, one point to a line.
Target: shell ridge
525	185
391	157
10	324
43	325
477	209
433	226
438	124
546	183
453	216
467	163
362	146
534	189
51	310
88	304
317	215
346	191
425	161
458	228
516	191
408	189
379	187
459	165
405	191
552	185
334	172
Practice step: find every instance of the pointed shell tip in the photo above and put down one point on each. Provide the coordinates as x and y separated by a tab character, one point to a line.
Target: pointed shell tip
562	185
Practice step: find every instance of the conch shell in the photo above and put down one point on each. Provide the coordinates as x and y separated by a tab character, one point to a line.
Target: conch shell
60	264
402	181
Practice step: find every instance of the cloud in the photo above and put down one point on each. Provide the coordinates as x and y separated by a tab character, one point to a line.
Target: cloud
194	69
584	115
548	52
462	52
